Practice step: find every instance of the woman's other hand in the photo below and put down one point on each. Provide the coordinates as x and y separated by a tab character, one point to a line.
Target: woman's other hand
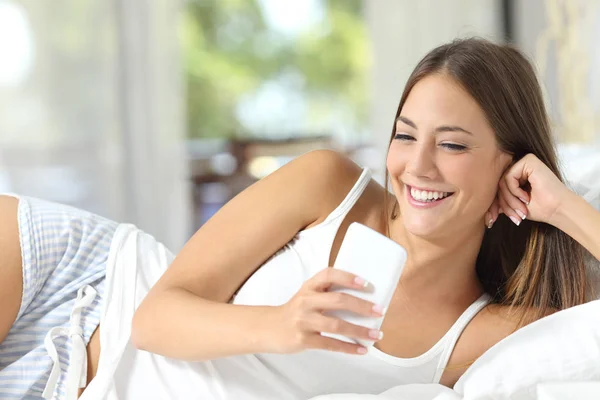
301	320
544	196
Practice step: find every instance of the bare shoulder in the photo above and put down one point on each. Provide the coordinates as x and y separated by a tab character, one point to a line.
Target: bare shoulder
328	167
326	176
488	327
491	325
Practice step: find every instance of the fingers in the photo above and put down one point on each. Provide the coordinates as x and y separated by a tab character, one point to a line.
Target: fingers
342	301
513	181
510	202
315	300
516	176
331	276
492	215
317	341
338	326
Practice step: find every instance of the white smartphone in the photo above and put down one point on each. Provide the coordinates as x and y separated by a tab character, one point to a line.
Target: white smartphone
375	258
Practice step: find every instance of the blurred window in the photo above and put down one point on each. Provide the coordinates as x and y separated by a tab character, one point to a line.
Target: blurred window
270	69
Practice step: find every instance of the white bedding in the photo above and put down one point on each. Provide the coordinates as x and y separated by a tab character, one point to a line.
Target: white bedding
581	168
545	391
416	391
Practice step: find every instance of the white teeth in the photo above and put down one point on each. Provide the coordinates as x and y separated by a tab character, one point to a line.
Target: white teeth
427	196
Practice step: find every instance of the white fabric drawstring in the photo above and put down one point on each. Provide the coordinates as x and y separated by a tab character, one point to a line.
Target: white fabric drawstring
77	370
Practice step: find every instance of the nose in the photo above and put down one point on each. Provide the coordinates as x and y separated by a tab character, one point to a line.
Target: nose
421	163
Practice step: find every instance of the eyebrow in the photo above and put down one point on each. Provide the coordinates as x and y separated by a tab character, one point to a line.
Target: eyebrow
442	128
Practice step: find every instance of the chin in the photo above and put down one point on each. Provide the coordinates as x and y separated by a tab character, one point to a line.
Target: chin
421	227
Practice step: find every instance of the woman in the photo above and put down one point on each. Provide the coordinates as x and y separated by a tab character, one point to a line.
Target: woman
244	300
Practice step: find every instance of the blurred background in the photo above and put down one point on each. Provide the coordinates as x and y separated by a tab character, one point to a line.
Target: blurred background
158	112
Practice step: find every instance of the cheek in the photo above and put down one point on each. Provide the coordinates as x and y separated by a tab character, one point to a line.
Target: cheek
475	179
484	183
394	162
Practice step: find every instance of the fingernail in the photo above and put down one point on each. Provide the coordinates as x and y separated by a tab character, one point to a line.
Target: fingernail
490	223
520	214
516	221
361	350
524	201
361	282
375	334
379	309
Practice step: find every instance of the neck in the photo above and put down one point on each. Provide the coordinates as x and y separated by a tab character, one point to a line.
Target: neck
443	267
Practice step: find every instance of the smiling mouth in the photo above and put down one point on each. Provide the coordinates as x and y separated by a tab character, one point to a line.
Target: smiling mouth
426	196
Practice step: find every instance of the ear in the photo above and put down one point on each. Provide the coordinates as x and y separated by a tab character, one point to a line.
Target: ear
506	161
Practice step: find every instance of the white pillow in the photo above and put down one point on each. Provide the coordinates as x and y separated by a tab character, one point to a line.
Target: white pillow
569	390
581	168
562	347
423	391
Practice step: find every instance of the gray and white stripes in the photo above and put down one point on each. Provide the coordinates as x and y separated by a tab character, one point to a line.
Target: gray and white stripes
63	249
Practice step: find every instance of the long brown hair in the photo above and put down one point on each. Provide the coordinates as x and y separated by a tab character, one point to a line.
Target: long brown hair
534	268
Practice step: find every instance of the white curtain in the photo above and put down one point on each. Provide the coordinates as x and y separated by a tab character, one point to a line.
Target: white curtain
91	109
562	37
402	32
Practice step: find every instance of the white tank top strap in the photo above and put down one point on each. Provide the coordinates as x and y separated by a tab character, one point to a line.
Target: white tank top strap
351	198
456	330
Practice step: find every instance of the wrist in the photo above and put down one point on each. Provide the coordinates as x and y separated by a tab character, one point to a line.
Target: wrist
264	336
562	217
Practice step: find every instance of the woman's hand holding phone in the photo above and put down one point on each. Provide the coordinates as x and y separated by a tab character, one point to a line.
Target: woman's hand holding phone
300	322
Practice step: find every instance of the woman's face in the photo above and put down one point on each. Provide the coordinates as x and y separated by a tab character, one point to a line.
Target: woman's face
444	163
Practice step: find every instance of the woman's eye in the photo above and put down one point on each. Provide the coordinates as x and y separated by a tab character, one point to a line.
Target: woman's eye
450	146
403	137
453	146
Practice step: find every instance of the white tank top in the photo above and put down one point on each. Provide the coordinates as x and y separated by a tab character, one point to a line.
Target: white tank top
317	372
136	263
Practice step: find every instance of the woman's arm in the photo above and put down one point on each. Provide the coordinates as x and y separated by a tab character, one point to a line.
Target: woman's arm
577	218
549	201
11	279
186	315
